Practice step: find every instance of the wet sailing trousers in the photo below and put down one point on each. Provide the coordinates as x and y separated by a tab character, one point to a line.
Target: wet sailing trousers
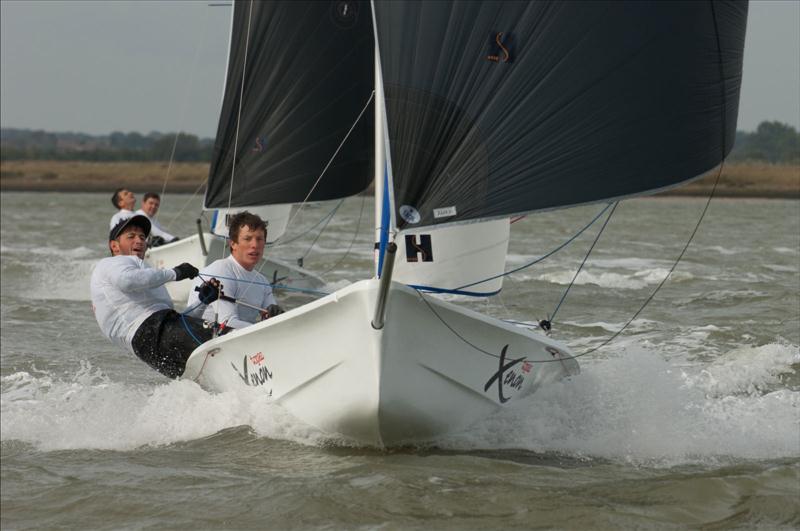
163	341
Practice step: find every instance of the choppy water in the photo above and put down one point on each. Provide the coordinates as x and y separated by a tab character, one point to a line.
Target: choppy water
690	419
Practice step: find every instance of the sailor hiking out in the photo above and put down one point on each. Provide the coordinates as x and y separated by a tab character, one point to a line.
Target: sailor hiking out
132	305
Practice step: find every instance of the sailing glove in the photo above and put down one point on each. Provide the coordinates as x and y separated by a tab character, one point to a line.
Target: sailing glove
273	310
207	293
185	270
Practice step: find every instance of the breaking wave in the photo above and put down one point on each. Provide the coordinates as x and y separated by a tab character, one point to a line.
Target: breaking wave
634	408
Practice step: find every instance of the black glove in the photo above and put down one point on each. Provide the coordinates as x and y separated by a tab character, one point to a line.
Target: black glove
273	310
207	293
185	270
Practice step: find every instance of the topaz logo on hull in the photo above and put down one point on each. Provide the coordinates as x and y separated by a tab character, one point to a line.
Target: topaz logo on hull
505	377
254	371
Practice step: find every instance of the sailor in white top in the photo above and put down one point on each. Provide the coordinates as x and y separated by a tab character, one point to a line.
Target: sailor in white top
132	305
240	280
150	203
123	200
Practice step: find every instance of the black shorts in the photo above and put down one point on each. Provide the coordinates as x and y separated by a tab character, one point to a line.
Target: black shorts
166	339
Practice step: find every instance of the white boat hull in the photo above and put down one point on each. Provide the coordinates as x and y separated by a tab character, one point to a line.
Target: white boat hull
189	250
411	381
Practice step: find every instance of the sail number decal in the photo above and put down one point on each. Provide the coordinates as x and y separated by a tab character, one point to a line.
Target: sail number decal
500	44
254	371
260	144
419	250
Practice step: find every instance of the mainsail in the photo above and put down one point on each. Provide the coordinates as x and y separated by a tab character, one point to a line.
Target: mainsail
299	78
499	108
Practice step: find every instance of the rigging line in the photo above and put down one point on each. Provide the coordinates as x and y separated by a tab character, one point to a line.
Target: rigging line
599	233
520	268
562	358
325	226
186	203
462	338
182	118
710	195
355	235
279	241
208	276
325	169
239	111
664	280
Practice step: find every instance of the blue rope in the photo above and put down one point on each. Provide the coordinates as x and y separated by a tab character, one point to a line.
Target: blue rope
189	310
542	257
186	326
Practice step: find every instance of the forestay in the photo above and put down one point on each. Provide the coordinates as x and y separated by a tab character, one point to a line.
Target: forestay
299	77
499	108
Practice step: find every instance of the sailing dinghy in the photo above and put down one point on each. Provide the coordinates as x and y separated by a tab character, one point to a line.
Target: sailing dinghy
481	111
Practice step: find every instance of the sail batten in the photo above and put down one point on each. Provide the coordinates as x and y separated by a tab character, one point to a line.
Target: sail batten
499	108
307	77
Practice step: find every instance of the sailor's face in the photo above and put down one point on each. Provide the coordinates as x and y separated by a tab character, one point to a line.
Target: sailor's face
127	199
150	207
132	242
249	248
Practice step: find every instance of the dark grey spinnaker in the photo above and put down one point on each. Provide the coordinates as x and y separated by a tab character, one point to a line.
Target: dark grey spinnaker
304	70
498	108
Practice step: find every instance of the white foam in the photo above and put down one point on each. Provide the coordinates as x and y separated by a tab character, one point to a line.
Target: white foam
746	370
637	408
90	411
726	251
637	280
634	407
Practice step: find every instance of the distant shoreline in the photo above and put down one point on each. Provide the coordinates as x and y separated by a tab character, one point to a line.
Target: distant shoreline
743	180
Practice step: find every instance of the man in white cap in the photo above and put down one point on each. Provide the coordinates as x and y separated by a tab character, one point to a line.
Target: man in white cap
132	305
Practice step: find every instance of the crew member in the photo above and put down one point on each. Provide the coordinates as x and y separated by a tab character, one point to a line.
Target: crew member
158	236
124	201
239	278
132	305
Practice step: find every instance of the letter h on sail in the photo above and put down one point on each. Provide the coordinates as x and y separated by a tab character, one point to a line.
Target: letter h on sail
414	249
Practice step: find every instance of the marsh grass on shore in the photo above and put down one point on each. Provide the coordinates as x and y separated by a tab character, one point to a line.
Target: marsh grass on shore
737	180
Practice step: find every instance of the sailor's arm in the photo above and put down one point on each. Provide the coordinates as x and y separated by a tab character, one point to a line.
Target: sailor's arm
156	230
134	277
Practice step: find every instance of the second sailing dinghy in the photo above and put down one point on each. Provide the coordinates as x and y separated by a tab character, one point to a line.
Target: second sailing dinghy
482	111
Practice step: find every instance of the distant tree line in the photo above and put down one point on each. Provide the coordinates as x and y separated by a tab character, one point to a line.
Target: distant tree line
23	144
772	142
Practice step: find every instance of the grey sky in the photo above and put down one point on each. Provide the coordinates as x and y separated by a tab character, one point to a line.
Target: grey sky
97	67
